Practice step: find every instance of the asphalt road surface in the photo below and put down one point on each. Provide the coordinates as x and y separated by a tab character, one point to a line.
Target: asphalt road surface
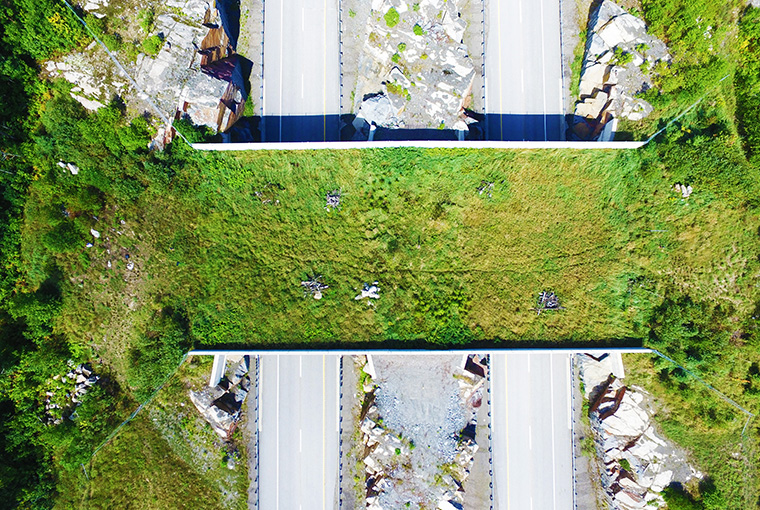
523	71
298	438
531	442
301	71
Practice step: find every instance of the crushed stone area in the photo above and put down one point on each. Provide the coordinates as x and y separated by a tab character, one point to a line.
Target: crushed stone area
423	432
418	398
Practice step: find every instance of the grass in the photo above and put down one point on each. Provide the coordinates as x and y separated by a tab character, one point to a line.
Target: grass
423	232
576	66
602	229
167	457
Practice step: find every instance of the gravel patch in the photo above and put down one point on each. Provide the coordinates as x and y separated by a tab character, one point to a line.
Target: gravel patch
418	397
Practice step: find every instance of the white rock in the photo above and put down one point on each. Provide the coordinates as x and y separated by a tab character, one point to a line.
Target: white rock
662	480
90	104
630	500
95	233
73	168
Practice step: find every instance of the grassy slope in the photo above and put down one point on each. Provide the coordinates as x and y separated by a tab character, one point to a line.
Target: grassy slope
167	457
708	428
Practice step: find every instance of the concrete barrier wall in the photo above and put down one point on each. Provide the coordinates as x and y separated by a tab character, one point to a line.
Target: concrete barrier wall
423	144
349	352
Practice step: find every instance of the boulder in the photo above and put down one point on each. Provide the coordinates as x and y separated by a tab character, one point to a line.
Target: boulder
378	110
593	106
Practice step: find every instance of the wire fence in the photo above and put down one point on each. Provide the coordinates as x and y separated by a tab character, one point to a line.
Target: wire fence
710	387
139	408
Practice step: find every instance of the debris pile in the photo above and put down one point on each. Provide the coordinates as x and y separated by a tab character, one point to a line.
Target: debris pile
268	194
619	57
71	167
313	287
414	69
419	448
333	199
635	463
369	291
66	392
220	405
547	301
486	187
683	189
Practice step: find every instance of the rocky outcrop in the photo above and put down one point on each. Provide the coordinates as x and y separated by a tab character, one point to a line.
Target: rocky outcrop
196	73
415	71
619	57
635	462
220	406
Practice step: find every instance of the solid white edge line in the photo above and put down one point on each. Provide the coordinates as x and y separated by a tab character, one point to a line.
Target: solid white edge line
282	45
337	396
259	392
277	439
554	447
571	383
543	67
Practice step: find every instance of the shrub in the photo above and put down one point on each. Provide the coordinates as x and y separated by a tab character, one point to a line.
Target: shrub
112	41
418	30
391	17
152	45
401	47
622	57
395	58
678	499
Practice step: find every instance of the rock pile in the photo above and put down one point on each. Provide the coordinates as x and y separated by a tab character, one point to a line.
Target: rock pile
96	7
220	405
313	287
398	469
91	89
636	464
414	69
619	56
66	392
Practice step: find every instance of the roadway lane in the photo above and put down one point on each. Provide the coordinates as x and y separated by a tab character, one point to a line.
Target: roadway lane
301	70
523	70
298	438
531	442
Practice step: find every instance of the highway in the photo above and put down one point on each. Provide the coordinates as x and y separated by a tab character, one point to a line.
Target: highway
298	434
523	71
531	441
301	71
